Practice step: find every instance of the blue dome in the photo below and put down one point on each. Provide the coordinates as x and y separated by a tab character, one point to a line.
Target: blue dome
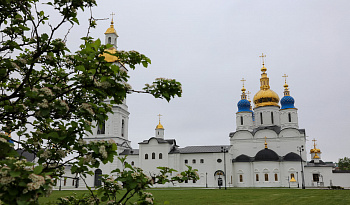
243	106
287	102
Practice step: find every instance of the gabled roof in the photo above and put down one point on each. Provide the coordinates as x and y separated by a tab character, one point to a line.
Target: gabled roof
130	152
203	149
160	141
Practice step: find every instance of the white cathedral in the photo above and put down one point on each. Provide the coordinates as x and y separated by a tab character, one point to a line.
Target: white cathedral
266	150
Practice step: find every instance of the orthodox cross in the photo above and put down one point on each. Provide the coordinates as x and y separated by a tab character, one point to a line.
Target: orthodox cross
262	57
285	78
112	15
314	143
159	117
243	81
248	93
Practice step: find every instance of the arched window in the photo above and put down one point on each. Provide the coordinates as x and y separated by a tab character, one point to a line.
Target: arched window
132	163
101	128
98	173
241	120
257	177
193	161
292	175
160	156
276	177
146	156
186	161
266	177
153	155
122	128
261	118
240	178
202	161
109	40
289	117
272	118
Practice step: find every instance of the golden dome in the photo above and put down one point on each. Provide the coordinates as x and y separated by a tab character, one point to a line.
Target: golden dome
109	58
111	29
265	96
312	151
160	126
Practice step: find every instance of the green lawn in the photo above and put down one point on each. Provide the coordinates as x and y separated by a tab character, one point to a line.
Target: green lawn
237	196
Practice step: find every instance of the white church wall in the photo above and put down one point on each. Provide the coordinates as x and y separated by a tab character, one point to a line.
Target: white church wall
340	179
325	176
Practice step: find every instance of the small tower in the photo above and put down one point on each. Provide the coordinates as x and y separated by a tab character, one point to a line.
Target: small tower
111	35
159	129
288	113
315	153
244	115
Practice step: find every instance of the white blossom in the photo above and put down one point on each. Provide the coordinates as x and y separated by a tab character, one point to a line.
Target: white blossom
102	151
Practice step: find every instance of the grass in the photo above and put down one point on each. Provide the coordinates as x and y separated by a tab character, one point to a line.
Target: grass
182	196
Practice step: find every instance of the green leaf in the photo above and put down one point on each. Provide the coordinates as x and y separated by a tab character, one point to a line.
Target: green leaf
38	169
15	173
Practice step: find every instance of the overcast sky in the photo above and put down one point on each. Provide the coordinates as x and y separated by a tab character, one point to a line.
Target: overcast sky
209	46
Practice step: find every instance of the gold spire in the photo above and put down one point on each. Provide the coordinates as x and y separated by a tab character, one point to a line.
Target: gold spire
265	96
286	90
159	126
248	93
111	28
243	96
265	143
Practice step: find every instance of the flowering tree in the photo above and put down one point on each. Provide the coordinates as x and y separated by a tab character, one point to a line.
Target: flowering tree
49	96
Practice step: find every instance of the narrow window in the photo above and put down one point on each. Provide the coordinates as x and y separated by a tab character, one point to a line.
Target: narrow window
292	175
158	132
101	128
146	156
261	118
153	155
231	179
272	118
97	181
241	120
289	117
186	161
65	182
240	178
193	161
194	181
186	181
73	182
132	163
316	177
266	177
122	127
109	40
160	156
276	177
202	161
257	177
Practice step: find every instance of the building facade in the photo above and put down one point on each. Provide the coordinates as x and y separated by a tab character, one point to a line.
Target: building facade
266	150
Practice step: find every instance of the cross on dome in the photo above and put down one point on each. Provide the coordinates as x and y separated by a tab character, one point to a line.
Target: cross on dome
159	117
112	14
262	57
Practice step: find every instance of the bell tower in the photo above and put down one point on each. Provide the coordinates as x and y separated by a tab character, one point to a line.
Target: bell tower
111	35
